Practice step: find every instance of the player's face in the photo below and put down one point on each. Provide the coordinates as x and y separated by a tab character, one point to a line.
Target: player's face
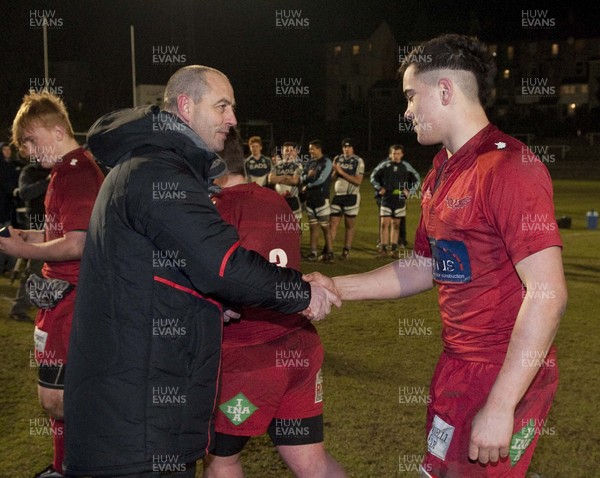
42	144
397	155
314	151
289	153
6	152
348	150
423	106
255	148
213	116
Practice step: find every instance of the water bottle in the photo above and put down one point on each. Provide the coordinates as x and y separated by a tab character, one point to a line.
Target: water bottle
592	219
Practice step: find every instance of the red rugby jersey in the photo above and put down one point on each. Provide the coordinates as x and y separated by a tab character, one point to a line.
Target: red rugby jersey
492	207
72	190
265	224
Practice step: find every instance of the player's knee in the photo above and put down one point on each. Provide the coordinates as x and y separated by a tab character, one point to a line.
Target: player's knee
222	466
52	402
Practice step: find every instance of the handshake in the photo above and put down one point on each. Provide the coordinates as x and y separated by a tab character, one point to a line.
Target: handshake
324	293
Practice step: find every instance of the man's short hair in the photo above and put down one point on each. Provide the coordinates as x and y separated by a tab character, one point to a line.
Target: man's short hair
40	110
189	80
291	143
233	153
316	143
255	139
455	52
396	147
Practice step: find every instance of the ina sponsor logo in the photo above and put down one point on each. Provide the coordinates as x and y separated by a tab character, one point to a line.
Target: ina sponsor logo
167	190
537	87
167	55
290	291
238	409
44	18
413	396
537	19
167	396
290	19
290	87
417	53
165	327
167	260
290	359
167	464
48	85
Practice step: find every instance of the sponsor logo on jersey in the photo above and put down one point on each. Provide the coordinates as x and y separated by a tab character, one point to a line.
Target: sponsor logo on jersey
319	387
238	409
451	262
458	203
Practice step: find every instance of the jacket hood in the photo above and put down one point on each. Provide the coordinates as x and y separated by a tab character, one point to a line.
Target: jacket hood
140	131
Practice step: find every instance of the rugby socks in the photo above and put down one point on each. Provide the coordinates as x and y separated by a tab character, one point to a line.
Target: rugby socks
58	438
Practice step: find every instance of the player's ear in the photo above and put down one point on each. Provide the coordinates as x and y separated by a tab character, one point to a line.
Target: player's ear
58	132
446	89
185	107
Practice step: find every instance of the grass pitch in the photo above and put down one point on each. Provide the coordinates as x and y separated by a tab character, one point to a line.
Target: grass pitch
373	351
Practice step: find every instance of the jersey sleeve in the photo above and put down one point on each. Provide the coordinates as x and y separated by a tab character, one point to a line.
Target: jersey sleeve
519	206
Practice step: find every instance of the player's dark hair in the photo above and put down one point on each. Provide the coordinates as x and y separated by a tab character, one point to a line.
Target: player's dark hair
233	153
317	143
455	52
291	143
395	147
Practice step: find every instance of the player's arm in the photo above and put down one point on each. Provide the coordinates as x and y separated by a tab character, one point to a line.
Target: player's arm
273	178
374	178
398	279
323	176
532	336
66	248
355	179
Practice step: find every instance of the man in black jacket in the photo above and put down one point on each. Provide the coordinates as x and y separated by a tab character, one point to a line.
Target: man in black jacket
158	264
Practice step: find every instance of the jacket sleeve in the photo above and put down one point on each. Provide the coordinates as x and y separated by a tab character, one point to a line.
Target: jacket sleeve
323	176
30	189
374	178
414	172
176	214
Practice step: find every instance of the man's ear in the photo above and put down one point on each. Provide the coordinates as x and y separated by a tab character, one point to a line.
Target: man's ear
446	90
59	132
185	107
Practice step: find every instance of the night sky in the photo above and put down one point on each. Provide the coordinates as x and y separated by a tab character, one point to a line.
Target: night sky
239	37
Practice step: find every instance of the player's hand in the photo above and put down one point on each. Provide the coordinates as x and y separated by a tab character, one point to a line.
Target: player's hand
491	432
321	299
12	245
382	191
323	280
229	314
